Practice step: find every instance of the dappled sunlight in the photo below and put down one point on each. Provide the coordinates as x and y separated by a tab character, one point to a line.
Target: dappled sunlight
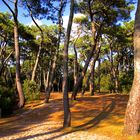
99	114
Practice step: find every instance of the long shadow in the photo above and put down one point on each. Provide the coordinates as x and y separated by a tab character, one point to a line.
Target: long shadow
95	121
20	122
92	123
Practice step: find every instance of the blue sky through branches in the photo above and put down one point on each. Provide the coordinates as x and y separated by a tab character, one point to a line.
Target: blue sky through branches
28	20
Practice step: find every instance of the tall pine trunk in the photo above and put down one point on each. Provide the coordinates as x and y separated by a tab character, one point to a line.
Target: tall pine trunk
52	73
99	75
86	84
76	86
17	57
92	83
36	64
67	114
75	65
41	43
17	52
50	82
95	39
132	116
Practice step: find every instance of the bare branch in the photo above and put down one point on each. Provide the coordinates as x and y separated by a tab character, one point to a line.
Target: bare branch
9	7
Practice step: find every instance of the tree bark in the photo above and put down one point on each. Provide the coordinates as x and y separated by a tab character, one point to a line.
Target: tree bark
4	62
41	43
67	114
76	87
95	38
92	77
36	64
50	84
75	66
92	85
17	56
99	77
86	85
132	115
17	52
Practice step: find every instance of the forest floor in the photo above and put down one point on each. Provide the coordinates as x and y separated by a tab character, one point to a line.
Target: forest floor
99	117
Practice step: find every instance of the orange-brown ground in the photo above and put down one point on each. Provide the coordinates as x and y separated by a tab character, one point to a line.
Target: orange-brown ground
100	115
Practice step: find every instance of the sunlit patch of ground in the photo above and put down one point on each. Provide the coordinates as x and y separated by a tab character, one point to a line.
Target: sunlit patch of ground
100	115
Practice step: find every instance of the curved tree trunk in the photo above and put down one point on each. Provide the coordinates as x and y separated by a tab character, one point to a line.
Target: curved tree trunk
99	77
67	114
36	63
75	66
17	52
95	38
132	116
96	56
50	84
17	56
41	43
4	62
76	87
92	78
86	85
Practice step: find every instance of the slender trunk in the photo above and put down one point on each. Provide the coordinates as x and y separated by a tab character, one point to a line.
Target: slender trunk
117	72
36	64
92	79
46	79
96	56
48	76
132	115
50	81
17	52
50	84
40	77
95	38
76	87
17	56
4	62
99	78
117	79
67	114
75	66
86	85
116	84
112	71
76	60
41	43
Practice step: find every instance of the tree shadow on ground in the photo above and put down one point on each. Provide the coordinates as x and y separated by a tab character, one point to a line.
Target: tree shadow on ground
90	124
19	123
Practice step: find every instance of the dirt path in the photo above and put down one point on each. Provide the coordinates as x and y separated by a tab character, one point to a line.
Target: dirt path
93	118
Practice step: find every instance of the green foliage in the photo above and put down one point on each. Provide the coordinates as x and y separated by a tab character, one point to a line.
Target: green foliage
7	100
31	90
104	83
126	80
81	20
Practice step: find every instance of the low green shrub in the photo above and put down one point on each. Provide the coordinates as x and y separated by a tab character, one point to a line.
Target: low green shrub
31	90
7	101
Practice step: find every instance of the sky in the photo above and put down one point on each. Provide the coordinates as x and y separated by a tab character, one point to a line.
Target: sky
28	20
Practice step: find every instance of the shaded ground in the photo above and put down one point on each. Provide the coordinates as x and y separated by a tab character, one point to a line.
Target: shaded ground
98	117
